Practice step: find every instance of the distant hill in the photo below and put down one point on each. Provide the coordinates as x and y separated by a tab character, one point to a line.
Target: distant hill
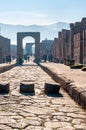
47	31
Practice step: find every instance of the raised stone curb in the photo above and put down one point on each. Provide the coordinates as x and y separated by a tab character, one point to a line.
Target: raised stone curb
78	94
6	67
82	99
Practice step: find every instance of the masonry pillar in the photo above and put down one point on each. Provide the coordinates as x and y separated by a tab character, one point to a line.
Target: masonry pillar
84	47
72	41
19	49
37	48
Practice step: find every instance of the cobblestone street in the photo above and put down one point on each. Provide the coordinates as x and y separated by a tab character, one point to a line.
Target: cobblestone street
40	111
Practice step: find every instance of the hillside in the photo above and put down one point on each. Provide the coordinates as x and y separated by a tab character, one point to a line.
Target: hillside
47	31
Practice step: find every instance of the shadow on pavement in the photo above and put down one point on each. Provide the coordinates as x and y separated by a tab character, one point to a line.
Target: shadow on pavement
29	65
28	94
58	95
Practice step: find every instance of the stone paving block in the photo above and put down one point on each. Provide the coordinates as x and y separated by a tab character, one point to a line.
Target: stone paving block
52	88
4	87
27	87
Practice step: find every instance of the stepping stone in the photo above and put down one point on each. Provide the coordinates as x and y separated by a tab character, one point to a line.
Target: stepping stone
4	87
26	87
52	88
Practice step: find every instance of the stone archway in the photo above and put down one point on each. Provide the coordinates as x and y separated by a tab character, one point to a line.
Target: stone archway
20	36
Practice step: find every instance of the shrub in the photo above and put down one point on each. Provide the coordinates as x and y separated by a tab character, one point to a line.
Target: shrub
83	68
76	66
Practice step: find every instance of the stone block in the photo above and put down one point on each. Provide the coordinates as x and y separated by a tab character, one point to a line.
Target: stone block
4	87
26	87
70	88
83	99
75	94
52	88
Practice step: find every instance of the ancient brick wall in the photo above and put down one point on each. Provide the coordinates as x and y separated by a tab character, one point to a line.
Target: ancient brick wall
84	46
4	48
61	46
78	42
46	48
77	48
65	40
56	50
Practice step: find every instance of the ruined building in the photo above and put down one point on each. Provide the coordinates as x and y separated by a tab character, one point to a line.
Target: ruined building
13	51
46	48
61	46
4	48
71	44
78	41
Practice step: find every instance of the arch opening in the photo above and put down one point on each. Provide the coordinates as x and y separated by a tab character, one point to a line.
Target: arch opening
28	48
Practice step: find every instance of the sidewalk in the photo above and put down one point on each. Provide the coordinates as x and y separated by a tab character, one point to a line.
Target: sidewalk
72	80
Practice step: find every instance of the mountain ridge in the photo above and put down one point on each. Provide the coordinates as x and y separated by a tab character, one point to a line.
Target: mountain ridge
46	31
34	24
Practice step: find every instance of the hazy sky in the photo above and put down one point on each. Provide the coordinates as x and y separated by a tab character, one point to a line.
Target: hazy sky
41	12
